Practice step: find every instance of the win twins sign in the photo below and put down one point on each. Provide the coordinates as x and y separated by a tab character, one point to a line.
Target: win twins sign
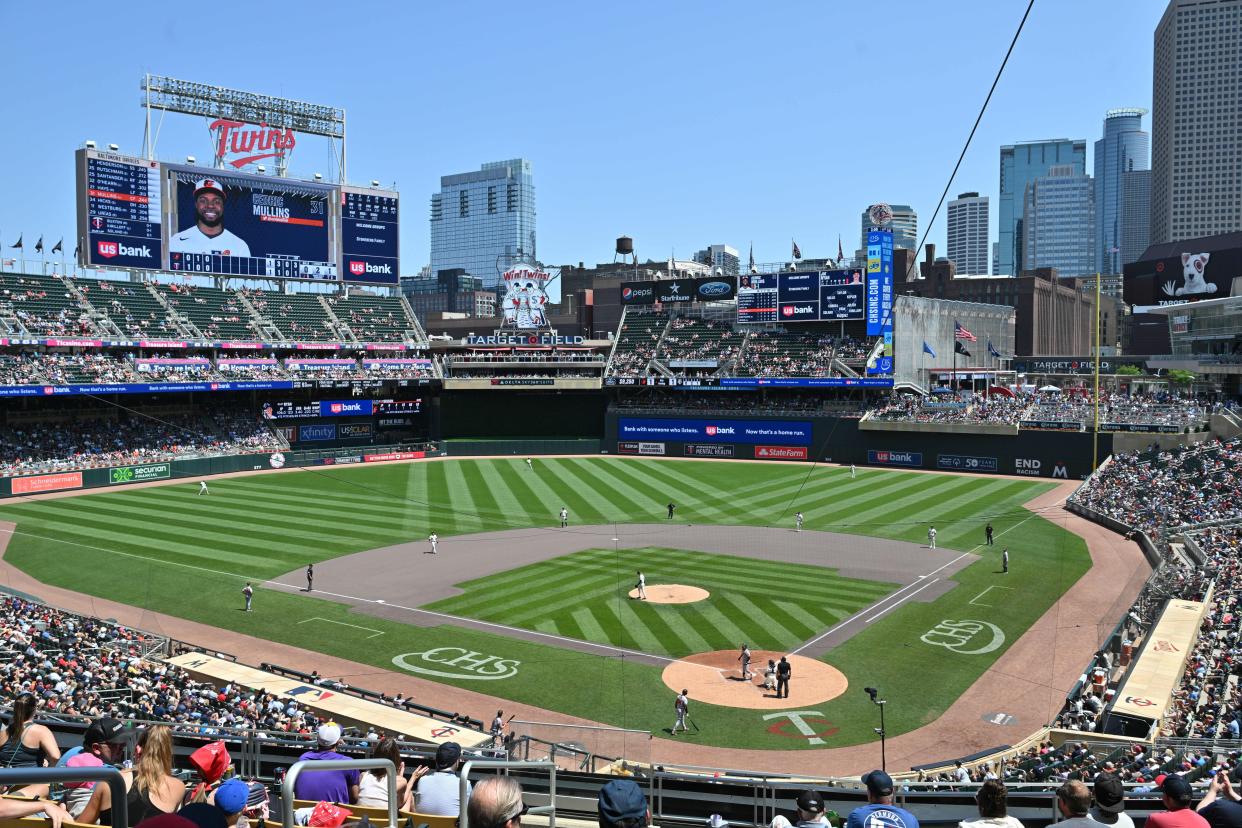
769	432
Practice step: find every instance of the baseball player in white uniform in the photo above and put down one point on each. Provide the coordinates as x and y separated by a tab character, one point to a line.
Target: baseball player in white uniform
798	521
564	517
681	706
202	487
853	471
931	537
433	539
207	234
642	587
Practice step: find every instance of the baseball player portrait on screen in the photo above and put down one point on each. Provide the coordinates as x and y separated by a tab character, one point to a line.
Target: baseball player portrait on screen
207	234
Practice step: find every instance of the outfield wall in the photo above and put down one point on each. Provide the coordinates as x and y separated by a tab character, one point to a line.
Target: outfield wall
1047	454
199	468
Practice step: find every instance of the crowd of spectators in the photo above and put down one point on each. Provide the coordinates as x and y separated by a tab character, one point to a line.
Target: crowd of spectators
651	399
100	440
975	408
1035	408
41	313
779	354
690	338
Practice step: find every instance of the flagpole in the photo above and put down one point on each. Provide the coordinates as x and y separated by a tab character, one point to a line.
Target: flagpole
1095	434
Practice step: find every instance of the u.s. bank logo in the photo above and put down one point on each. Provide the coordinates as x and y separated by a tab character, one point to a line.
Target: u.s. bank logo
458	663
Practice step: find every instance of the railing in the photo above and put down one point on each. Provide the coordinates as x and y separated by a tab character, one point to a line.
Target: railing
291	778
463	821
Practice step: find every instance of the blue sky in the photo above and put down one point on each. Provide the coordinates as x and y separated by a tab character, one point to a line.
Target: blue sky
680	124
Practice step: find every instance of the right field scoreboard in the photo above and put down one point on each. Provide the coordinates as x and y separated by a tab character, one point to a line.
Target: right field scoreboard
140	214
801	296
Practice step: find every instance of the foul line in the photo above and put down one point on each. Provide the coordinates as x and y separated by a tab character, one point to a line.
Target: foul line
343	624
903	600
975	600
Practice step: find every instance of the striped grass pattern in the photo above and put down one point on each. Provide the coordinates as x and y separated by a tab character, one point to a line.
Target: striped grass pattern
767	604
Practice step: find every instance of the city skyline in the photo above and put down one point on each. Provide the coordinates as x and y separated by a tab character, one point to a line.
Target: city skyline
599	175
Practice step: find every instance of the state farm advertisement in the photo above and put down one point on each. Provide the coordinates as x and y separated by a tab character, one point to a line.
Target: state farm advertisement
781	453
46	483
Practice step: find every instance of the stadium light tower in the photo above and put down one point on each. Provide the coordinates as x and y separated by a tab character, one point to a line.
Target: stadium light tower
878	702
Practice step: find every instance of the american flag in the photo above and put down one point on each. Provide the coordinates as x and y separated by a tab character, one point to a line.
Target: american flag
961	333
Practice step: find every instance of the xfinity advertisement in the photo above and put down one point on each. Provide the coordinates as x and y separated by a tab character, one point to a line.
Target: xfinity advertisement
769	432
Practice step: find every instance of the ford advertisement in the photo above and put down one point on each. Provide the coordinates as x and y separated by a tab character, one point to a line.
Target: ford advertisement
768	432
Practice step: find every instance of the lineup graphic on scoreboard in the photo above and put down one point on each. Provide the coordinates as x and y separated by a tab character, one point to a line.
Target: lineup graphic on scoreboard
807	296
135	213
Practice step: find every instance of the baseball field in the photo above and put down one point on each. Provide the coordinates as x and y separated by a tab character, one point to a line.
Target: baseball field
555	610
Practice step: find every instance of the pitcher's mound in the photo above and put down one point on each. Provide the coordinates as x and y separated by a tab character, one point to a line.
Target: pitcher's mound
716	678
672	594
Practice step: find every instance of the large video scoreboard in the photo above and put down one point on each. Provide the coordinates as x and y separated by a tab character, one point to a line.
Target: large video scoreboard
804	296
139	214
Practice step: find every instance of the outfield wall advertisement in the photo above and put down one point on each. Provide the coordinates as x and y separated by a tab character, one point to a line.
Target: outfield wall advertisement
773	432
1047	455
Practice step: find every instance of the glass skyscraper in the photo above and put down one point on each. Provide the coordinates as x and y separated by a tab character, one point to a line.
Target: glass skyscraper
1058	222
968	233
1020	164
484	221
1124	148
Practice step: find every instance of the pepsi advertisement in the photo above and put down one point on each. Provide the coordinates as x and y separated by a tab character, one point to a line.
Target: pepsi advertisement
702	289
369	243
249	225
768	432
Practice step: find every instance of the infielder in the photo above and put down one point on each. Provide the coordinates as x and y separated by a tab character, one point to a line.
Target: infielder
564	517
642	586
931	537
798	521
682	706
310	577
248	593
207	234
202	487
433	539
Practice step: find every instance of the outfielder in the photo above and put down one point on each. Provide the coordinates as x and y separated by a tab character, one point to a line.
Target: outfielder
207	234
202	487
433	539
529	464
798	521
682	706
853	471
248	593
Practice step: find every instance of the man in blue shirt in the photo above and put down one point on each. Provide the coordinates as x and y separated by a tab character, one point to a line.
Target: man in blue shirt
880	812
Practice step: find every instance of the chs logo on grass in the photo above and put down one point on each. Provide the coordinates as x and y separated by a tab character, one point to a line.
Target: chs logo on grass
109	249
458	663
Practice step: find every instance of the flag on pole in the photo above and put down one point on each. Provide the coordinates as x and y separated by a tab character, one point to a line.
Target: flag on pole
797	253
39	245
60	246
927	349
19	245
992	352
959	348
961	333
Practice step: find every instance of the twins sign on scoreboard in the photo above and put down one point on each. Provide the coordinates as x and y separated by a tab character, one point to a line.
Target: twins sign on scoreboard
140	214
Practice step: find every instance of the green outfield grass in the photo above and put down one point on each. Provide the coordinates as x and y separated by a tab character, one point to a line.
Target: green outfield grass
167	550
581	596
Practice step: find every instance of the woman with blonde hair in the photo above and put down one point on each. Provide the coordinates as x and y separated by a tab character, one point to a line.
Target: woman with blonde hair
150	787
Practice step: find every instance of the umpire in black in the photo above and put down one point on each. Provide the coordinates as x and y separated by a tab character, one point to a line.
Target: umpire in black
783	671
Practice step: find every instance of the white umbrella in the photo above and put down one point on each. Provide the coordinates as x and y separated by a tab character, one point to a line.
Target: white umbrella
1050	388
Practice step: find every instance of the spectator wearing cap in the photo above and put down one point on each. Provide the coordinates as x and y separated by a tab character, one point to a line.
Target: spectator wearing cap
1177	812
231	798
621	804
810	812
880	805
327	786
1073	802
1110	800
439	793
1220	807
204	815
150	787
103	745
991	800
496	803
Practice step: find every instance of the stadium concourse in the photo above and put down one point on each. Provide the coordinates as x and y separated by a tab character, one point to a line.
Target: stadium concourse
1027	683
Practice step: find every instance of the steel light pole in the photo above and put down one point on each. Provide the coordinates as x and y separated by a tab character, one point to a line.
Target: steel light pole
878	702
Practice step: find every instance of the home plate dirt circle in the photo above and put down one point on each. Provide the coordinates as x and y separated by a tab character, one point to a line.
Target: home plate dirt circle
672	594
716	678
